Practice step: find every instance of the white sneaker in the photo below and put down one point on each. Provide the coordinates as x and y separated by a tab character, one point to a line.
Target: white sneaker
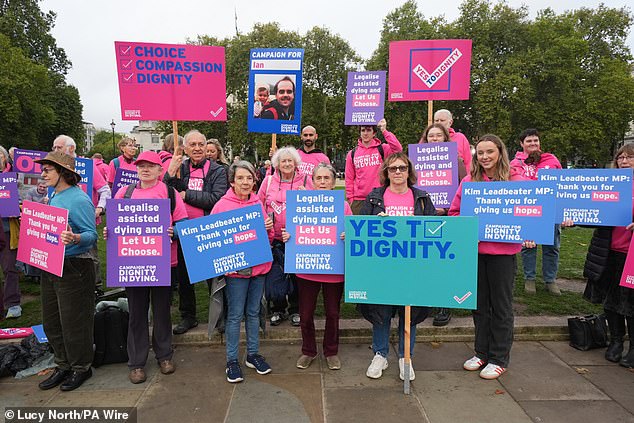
14	312
401	368
375	370
473	364
492	371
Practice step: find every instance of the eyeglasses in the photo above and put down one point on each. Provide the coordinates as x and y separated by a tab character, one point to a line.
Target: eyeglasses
393	169
47	169
624	158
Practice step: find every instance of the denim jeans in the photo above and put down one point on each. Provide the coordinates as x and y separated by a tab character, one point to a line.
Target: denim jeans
381	338
550	259
243	297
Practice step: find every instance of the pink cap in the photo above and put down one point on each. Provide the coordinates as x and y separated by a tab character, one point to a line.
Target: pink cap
148	156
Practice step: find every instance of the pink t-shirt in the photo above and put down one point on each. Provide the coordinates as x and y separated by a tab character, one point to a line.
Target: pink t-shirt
196	183
123	164
160	191
399	204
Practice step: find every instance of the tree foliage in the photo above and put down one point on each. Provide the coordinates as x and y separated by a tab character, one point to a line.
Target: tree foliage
37	103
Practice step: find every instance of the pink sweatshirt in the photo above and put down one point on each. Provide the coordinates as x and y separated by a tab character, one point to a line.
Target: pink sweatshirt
484	247
123	164
229	202
347	211
529	171
362	176
464	148
310	160
273	195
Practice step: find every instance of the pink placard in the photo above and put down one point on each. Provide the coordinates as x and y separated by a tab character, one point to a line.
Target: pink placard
40	244
429	70
171	81
627	277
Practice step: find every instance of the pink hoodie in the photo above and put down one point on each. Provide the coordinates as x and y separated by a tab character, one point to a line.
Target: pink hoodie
229	202
273	195
310	160
103	168
362	176
464	148
484	247
548	161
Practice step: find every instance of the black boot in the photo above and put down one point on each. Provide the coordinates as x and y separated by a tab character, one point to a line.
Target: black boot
628	359
616	325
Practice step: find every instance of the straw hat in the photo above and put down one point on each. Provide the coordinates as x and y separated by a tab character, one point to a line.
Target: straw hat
61	159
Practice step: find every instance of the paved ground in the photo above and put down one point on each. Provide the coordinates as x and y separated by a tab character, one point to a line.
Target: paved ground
548	381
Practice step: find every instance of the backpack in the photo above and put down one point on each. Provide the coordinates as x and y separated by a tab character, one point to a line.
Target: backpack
116	163
378	147
111	336
170	193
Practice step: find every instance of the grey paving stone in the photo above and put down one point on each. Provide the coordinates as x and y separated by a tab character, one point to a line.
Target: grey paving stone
576	412
105	398
574	357
277	398
615	381
283	357
461	396
372	404
535	373
24	393
441	355
355	359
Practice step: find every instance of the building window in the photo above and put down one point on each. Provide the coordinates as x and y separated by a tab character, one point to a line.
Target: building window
155	139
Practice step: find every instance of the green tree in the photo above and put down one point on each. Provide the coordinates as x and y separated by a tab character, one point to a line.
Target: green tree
103	144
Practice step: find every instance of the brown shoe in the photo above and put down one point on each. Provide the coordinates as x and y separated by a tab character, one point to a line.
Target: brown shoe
167	367
137	376
304	361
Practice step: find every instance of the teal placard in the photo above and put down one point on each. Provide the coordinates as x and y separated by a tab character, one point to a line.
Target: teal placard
412	260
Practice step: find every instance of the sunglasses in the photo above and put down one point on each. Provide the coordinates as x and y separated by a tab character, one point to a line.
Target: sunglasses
393	169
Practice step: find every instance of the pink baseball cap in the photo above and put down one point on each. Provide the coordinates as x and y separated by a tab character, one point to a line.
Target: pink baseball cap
148	156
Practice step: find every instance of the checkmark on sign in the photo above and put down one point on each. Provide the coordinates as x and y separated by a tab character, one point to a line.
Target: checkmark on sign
125	50
463	298
125	64
433	228
430	79
217	112
127	77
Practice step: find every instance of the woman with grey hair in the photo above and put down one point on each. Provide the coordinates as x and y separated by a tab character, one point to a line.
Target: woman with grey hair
245	287
5	160
272	193
309	285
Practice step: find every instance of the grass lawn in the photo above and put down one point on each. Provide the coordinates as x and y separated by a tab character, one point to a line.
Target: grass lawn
574	245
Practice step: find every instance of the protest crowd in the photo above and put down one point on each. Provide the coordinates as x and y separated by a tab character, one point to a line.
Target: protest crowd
192	176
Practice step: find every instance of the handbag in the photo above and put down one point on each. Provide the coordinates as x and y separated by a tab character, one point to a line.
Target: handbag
588	332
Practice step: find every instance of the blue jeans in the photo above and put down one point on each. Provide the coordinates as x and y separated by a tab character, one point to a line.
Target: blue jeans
243	297
550	259
381	338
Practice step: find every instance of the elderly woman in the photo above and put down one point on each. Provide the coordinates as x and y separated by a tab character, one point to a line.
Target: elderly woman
309	285
437	132
68	302
273	195
149	168
397	196
603	268
244	288
128	149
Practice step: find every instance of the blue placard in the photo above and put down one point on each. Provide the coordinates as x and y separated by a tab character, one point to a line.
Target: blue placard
598	197
274	111
511	212
85	168
225	242
38	331
412	260
315	220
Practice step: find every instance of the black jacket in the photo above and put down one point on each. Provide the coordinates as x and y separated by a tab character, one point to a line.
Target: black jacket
214	185
596	264
373	205
274	110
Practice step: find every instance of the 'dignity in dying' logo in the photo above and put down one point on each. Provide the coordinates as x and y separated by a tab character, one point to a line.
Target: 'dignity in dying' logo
431	78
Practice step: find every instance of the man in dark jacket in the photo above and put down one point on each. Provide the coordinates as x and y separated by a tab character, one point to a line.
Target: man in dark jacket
200	183
283	107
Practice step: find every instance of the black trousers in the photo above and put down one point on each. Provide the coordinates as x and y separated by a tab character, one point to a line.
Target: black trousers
493	319
186	293
138	339
68	313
